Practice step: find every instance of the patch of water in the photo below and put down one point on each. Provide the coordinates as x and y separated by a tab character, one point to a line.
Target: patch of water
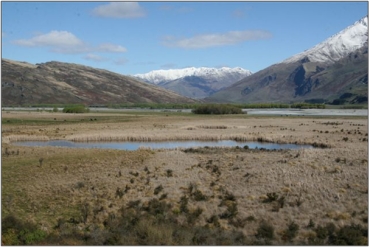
159	145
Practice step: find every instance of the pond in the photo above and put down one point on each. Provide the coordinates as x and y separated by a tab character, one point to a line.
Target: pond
158	145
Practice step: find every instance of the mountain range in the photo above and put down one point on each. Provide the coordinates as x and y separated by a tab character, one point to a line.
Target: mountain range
65	83
195	82
334	71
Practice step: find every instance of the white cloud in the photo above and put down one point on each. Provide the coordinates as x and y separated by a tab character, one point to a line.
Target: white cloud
95	58
238	13
107	47
216	39
121	61
169	66
120	10
165	7
173	9
59	41
66	42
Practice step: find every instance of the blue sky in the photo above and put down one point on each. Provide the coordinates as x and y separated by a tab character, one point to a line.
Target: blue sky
138	37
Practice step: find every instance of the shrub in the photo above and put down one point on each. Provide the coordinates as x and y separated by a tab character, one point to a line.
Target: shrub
193	215
134	204
214	220
238	222
265	231
231	211
169	173
229	196
307	106
270	197
346	235
350	235
217	109
311	224
290	232
16	232
184	204
76	109
156	207
158	189
163	196
199	196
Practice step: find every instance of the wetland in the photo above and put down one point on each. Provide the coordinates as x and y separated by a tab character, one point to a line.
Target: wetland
184	196
161	145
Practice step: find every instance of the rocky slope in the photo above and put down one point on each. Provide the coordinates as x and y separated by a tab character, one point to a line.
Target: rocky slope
335	70
55	82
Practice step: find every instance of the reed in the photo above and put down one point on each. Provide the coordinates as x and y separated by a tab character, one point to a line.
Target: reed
153	138
212	127
18	138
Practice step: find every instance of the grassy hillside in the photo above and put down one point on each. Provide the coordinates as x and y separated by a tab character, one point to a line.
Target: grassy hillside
56	82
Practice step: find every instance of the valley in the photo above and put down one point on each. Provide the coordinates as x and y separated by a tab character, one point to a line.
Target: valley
176	147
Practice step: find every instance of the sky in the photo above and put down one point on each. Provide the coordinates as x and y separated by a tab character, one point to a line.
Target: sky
138	37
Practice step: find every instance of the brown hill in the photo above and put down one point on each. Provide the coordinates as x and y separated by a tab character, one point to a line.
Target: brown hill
61	83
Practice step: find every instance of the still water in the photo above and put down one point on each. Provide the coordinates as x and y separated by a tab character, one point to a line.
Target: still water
158	145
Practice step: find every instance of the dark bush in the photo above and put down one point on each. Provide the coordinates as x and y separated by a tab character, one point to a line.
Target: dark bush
156	207
271	197
184	204
230	212
76	109
198	196
169	173
290	232
217	109
311	224
214	220
307	106
16	232
193	215
350	235
158	189
265	231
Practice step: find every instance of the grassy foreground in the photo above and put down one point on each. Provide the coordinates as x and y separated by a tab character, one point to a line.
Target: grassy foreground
212	196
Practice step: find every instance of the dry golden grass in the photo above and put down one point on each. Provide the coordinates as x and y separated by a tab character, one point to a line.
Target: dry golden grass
325	185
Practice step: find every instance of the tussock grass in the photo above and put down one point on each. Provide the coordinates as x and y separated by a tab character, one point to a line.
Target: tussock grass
91	188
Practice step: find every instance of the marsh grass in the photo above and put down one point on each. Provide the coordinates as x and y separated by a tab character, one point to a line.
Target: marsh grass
223	196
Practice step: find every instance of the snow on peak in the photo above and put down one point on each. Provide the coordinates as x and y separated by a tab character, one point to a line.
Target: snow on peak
157	76
338	45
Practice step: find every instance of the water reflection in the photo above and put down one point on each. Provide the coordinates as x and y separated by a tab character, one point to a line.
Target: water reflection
158	145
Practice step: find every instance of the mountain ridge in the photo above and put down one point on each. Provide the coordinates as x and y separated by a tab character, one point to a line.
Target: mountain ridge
313	75
338	45
158	76
195	82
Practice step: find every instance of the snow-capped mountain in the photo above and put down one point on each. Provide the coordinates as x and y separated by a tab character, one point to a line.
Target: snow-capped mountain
334	71
195	82
160	76
337	46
